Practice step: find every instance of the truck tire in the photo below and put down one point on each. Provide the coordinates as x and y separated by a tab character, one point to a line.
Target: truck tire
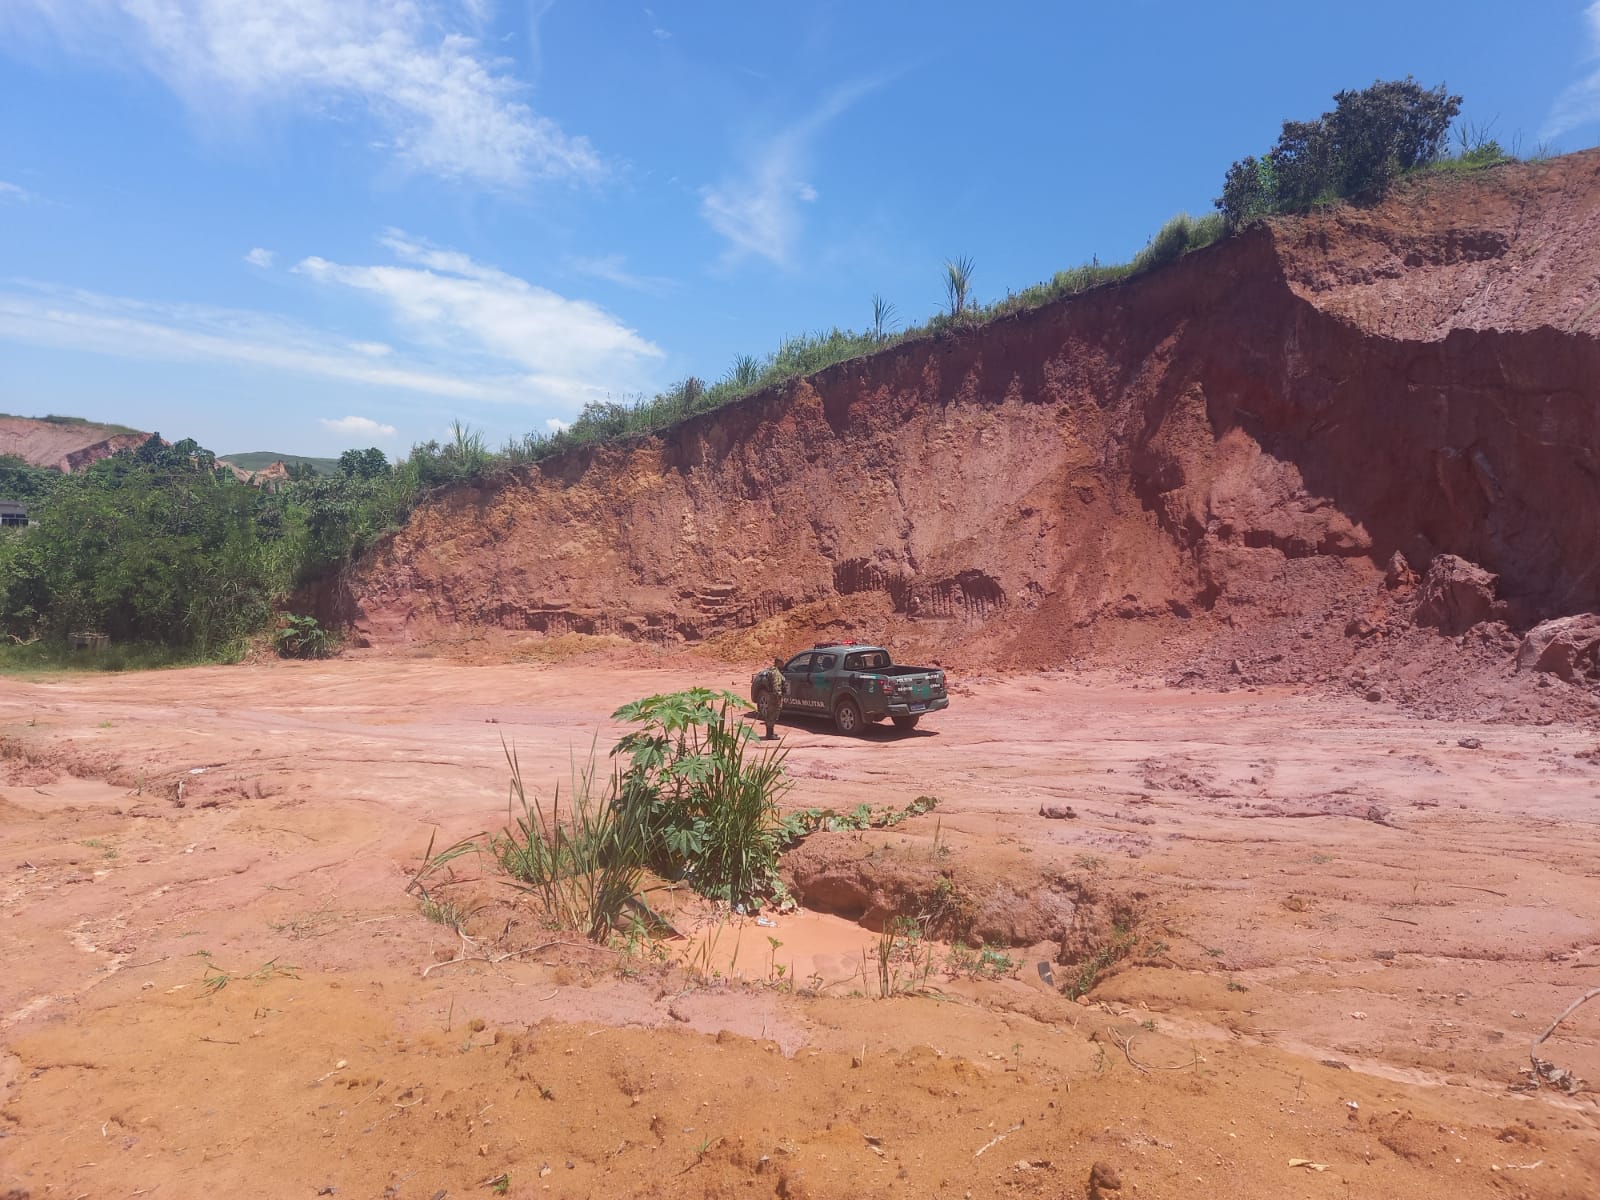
907	722
847	717
768	706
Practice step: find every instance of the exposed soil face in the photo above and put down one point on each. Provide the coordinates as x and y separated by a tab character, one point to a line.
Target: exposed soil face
66	447
1208	470
1351	923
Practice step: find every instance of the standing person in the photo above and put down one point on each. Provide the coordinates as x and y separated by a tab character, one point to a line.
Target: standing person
776	688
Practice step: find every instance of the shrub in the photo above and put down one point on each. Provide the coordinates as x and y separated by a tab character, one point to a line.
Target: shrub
302	637
1369	139
704	802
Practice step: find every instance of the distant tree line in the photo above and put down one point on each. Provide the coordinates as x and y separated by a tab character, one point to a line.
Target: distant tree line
161	545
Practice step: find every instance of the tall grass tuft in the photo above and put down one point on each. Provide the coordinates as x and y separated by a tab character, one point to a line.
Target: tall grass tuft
582	870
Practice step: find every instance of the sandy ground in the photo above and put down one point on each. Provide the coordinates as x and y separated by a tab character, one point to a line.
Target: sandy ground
1353	923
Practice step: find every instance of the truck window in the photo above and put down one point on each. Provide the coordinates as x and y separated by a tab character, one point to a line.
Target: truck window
824	662
857	662
800	664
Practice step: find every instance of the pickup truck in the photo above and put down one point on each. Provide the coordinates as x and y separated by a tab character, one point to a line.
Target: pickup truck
854	684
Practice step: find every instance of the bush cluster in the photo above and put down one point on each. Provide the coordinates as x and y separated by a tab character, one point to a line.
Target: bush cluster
1369	139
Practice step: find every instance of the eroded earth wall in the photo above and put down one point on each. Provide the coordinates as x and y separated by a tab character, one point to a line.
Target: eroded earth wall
1212	459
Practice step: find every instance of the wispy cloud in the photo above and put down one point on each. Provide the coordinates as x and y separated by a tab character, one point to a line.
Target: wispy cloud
1579	103
414	66
259	257
656	28
472	332
15	193
567	349
40	314
758	209
613	269
359	426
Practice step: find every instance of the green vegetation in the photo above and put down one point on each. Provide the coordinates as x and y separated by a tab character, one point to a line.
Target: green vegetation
802	822
1371	138
259	460
694	802
985	963
177	561
302	637
152	546
19	480
1122	942
905	958
583	872
705	803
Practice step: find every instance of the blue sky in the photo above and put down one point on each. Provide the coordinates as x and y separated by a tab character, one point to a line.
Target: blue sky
302	225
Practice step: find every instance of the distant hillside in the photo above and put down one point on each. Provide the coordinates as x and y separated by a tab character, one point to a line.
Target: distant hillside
64	443
256	460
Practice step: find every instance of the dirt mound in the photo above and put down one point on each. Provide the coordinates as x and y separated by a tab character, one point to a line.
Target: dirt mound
65	445
1206	471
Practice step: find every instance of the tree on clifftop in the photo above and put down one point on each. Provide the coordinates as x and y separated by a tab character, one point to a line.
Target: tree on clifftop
1370	138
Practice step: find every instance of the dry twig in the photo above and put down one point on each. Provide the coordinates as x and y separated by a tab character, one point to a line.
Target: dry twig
996	1139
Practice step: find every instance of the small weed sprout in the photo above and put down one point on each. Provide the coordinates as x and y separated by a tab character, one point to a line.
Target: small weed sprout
1121	944
905	959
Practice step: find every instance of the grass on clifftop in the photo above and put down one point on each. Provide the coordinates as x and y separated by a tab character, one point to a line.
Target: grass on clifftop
58	419
807	353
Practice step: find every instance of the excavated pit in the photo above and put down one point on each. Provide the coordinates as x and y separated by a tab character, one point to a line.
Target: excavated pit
1207	469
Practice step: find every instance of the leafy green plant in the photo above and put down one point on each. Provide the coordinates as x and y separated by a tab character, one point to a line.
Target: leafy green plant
302	637
703	800
803	822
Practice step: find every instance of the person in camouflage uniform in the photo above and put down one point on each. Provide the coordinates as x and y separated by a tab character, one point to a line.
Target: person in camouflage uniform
777	687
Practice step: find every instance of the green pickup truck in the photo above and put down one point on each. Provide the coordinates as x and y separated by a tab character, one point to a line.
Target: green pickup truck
854	684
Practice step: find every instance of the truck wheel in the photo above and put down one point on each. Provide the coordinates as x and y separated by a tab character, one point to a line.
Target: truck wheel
767	707
847	717
907	722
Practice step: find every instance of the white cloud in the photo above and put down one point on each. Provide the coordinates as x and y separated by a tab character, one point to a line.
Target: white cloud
14	192
1579	104
568	349
358	426
557	425
259	257
613	269
444	106
758	209
39	314
466	331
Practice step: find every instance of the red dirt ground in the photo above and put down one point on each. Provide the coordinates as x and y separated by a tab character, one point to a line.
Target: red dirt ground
1353	926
